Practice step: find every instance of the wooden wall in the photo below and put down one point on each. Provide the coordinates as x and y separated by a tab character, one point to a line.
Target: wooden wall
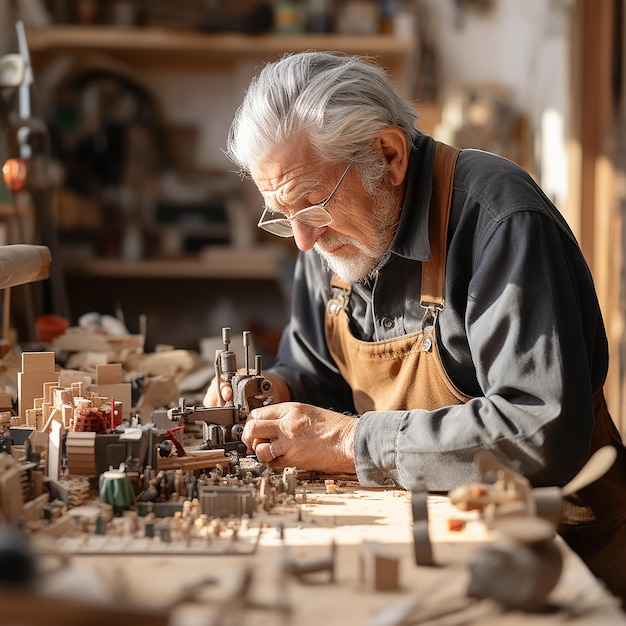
597	166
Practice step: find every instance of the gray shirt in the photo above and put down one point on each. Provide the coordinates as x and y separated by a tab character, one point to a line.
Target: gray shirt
522	333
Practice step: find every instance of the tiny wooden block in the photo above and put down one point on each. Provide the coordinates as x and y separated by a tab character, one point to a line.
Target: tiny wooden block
48	391
456	525
380	569
46	410
109	374
30	417
81	456
54	450
67	413
37	369
61	396
37	362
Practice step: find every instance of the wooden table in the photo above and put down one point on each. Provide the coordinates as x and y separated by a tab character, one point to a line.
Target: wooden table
306	532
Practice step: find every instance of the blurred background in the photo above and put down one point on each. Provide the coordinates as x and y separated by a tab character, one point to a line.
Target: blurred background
124	114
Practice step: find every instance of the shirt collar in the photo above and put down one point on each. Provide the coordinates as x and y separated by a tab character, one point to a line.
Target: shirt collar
411	238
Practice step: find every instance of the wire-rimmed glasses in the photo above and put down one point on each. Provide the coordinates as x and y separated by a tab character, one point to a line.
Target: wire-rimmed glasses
315	215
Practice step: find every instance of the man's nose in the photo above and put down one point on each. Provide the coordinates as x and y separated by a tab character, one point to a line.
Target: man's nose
304	235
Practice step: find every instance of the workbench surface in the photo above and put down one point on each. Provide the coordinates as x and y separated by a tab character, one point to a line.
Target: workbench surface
305	532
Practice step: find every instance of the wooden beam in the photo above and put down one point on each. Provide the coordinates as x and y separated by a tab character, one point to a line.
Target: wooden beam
596	57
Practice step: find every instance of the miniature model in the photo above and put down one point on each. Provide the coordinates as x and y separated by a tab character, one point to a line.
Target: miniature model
223	425
90	419
116	490
509	492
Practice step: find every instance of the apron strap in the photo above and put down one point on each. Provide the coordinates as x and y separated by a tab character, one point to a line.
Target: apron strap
338	283
340	297
434	271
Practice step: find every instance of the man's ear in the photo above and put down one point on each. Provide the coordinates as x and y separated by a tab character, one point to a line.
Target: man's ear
394	145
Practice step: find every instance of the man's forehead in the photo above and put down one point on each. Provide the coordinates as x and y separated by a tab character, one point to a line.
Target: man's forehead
294	179
289	161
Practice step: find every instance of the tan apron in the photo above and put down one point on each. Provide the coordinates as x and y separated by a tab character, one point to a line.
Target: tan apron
407	373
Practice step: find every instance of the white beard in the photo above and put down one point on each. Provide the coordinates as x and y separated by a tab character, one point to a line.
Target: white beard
384	218
353	269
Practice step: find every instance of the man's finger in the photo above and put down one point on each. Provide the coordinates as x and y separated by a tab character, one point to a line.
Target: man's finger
266	454
260	429
256	442
226	392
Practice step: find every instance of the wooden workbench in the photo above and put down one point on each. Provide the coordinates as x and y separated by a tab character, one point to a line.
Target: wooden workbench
306	532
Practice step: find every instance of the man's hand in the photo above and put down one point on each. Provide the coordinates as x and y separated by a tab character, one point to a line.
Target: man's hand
293	434
212	395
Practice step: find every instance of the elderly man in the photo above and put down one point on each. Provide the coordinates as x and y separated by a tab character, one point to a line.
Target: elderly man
441	305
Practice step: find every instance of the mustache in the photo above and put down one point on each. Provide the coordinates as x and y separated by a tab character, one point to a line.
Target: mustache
329	241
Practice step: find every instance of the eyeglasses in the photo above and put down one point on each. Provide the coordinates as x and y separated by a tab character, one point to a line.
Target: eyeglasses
315	215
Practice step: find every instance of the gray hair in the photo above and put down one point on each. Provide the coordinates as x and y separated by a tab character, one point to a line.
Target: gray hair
340	102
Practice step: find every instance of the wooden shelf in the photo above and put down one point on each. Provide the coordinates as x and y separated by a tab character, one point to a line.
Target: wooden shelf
261	263
161	45
249	283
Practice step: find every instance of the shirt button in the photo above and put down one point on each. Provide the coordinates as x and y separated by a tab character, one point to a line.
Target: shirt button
388	323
